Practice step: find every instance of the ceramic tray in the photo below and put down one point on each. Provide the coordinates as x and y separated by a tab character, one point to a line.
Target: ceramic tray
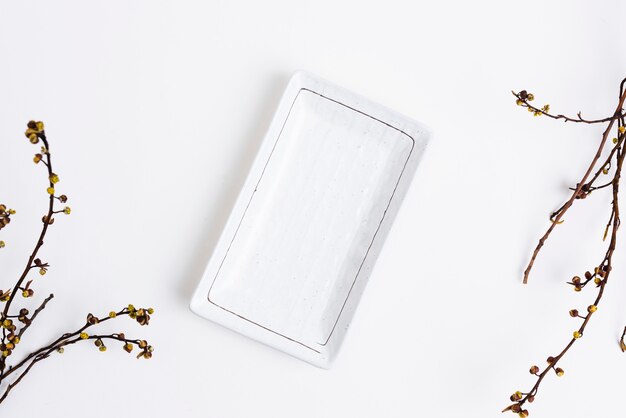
302	239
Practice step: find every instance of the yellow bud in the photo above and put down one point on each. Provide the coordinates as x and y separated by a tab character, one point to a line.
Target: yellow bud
84	335
102	348
592	308
2	244
150	311
67	210
577	334
54	179
112	314
621	129
42	271
50	190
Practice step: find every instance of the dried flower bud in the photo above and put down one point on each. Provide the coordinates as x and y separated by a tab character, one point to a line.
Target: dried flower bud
534	369
559	371
573	313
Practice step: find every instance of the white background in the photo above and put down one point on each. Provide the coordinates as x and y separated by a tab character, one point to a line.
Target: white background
155	111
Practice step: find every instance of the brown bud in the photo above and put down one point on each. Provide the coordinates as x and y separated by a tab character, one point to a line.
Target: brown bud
550	360
534	370
573	313
588	275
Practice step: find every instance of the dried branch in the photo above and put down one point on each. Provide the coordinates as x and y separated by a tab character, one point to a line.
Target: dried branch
600	274
581	191
11	337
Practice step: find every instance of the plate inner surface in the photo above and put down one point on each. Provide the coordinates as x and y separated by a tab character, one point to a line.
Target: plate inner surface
309	224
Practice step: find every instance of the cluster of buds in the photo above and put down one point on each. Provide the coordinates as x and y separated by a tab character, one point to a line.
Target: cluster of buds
141	315
522	99
518	406
23	316
5	218
6	348
35	131
598	277
146	350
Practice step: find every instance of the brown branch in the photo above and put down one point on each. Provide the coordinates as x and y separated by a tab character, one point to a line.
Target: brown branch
58	340
524	102
42	235
577	192
10	335
37	311
601	273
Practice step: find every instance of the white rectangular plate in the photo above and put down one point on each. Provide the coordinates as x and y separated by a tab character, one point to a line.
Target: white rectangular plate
309	223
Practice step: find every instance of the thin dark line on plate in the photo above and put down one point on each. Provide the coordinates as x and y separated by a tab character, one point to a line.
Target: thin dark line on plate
368	248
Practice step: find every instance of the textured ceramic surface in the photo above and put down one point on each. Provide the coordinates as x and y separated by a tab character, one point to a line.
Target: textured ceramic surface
308	225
